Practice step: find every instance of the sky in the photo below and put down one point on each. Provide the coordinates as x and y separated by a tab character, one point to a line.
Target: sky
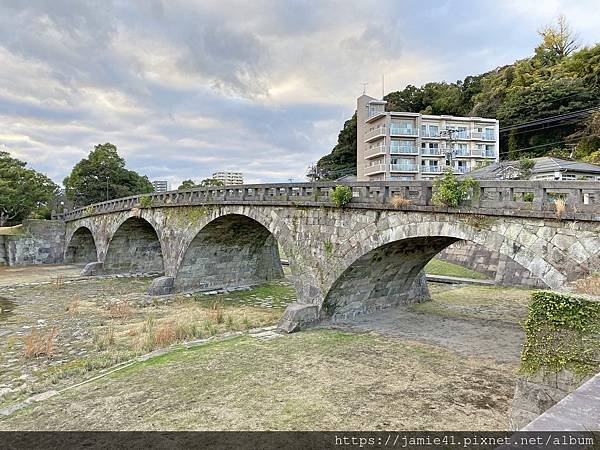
186	88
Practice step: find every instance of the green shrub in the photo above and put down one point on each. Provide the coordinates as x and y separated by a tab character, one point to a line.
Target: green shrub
145	201
341	195
562	332
450	192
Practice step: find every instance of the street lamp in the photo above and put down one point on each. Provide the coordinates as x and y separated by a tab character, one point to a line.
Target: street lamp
107	187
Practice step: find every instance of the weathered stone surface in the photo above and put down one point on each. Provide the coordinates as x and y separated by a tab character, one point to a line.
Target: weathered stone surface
41	242
91	269
331	251
298	316
536	393
81	248
161	286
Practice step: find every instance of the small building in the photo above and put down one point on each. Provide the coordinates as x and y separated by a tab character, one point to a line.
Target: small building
545	168
161	185
229	178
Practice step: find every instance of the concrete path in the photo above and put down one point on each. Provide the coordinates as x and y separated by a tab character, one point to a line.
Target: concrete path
470	337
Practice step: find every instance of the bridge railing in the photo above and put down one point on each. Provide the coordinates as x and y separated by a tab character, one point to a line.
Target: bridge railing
521	198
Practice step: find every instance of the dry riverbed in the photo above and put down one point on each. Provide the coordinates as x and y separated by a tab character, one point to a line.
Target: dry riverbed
379	375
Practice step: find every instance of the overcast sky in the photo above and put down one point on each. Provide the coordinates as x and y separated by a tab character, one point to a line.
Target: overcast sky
186	88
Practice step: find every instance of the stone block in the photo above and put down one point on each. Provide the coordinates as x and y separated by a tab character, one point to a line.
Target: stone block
161	286
298	316
91	269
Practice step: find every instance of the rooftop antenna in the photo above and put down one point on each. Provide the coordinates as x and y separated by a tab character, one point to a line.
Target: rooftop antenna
382	87
364	85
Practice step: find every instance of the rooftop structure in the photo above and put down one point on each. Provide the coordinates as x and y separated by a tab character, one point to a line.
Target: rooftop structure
545	168
413	146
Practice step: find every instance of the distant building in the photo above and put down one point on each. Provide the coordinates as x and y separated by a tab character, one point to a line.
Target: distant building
161	186
229	178
545	168
413	146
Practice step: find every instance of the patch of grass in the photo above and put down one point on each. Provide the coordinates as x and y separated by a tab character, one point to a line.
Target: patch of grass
440	267
478	302
344	381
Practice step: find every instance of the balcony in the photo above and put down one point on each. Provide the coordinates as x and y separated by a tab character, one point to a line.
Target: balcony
375	168
461	169
462	135
403	150
431	152
375	134
403	131
431	169
483	136
462	152
377	150
490	154
404	167
430	134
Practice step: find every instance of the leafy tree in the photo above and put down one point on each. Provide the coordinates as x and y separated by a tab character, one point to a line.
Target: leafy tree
186	184
558	41
103	176
449	191
525	167
593	158
342	160
23	192
211	182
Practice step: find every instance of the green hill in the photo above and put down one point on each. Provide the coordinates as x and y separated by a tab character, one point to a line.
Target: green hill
557	79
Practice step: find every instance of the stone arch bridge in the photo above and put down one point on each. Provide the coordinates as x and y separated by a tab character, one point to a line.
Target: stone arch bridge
347	260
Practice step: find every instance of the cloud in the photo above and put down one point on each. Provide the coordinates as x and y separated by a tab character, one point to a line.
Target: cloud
185	88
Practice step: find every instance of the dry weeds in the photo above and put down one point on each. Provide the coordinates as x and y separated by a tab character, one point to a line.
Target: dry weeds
40	344
398	201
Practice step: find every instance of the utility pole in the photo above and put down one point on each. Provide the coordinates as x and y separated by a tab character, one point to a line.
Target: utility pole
449	136
106	187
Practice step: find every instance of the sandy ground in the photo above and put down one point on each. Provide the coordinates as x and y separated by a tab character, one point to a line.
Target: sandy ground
35	274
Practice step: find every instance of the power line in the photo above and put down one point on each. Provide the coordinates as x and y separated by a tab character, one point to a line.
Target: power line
564	116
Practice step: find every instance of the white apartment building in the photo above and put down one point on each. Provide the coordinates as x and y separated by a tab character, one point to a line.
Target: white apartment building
413	146
229	178
161	185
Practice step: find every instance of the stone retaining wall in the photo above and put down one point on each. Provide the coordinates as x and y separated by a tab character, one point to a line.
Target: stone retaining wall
492	264
41	242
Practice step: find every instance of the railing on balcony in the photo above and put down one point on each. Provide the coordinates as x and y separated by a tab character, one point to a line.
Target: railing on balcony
461	169
431	169
431	151
404	167
376	133
490	154
376	150
404	149
430	134
375	168
403	131
462	152
462	135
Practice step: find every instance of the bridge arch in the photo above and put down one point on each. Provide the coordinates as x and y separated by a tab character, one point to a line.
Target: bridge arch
231	249
81	247
382	269
134	247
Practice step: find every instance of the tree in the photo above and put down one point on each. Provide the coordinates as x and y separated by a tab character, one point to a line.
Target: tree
186	184
103	176
525	167
558	41
342	159
23	191
211	182
449	191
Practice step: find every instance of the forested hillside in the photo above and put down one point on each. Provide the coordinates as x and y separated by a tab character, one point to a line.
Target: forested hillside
559	79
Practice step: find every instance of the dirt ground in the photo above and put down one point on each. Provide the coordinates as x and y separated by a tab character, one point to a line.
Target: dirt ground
34	274
315	380
446	364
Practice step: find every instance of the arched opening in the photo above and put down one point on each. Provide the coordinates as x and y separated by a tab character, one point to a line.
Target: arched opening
389	275
134	247
233	250
81	248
